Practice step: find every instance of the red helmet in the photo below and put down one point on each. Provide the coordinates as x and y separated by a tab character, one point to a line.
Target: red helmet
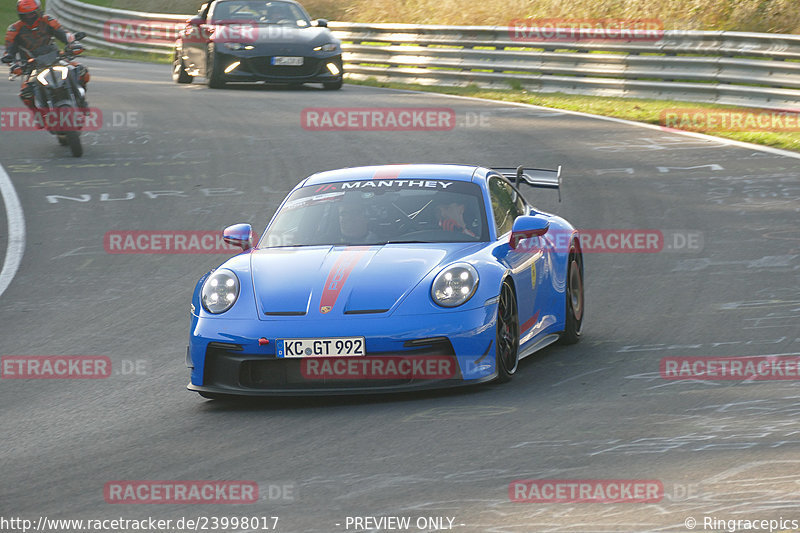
29	11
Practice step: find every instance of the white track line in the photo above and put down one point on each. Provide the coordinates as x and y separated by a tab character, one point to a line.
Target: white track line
662	129
16	231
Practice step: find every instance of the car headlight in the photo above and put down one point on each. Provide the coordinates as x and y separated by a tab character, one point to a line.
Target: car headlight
329	47
454	285
238	46
220	291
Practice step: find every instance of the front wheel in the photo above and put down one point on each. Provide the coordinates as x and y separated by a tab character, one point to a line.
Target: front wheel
507	338
179	74
73	139
214	75
575	301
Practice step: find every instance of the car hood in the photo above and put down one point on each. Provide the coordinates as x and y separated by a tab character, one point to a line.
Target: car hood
271	37
340	280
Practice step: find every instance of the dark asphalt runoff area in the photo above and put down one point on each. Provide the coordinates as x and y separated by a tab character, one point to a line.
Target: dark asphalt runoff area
174	158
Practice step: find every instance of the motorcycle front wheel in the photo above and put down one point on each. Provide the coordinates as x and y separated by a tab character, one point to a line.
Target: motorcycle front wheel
73	140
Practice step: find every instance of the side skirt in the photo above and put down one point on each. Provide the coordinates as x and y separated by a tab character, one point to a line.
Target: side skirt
547	340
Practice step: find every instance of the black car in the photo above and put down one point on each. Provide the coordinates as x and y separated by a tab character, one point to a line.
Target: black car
257	40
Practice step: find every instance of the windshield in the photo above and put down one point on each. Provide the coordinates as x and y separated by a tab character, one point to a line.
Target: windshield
380	212
259	12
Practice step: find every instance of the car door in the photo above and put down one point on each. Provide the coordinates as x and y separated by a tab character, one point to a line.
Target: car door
526	261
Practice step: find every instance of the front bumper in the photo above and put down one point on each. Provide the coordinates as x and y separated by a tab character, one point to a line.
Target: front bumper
225	356
259	68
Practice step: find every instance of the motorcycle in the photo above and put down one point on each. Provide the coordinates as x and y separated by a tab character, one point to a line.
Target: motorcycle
59	97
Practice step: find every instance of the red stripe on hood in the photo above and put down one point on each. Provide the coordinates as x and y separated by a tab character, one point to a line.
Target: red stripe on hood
339	273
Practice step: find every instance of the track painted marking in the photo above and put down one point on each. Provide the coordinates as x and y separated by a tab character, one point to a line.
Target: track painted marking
719	140
16	231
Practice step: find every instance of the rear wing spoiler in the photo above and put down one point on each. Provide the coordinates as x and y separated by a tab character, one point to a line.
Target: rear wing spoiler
535	177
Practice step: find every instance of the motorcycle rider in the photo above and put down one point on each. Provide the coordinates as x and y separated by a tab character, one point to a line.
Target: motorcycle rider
32	31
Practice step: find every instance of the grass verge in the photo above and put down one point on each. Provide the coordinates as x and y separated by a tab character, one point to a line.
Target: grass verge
779	16
8	15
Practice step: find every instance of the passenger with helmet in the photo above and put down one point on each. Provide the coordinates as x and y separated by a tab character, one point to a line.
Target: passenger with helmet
32	31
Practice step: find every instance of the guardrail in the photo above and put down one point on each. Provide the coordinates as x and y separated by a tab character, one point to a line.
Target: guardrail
750	69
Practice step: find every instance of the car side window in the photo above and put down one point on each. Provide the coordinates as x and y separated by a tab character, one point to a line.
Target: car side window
203	11
507	204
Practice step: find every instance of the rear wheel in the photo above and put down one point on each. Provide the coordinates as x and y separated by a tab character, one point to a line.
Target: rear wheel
507	338
62	140
575	301
179	74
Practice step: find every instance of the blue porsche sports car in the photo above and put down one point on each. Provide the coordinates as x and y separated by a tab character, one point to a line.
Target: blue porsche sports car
389	278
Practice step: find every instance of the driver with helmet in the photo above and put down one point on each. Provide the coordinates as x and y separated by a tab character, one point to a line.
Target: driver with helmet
32	31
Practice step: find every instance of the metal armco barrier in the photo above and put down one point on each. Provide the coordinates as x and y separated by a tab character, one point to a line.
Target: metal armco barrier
749	69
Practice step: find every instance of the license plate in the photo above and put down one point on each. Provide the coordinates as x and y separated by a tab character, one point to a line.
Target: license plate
287	61
335	347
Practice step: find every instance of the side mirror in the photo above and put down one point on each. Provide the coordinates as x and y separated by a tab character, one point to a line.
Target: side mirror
526	227
322	23
79	35
239	235
195	20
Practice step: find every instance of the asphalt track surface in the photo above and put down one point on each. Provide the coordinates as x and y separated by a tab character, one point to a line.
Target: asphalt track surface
596	410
